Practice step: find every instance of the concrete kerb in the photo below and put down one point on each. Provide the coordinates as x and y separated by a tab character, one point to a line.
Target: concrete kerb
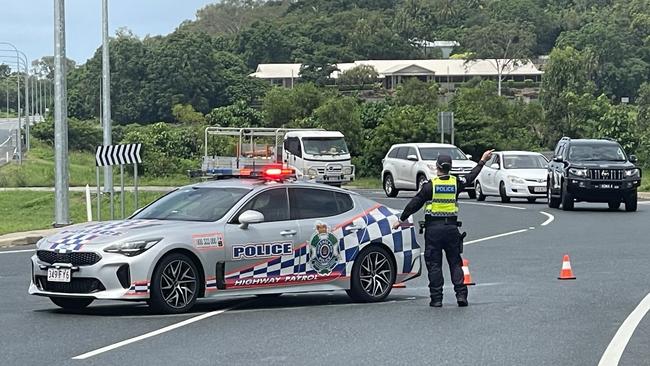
24	238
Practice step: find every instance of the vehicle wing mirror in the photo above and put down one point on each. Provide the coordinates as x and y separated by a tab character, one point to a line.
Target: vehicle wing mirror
469	156
633	159
495	166
412	157
558	159
250	217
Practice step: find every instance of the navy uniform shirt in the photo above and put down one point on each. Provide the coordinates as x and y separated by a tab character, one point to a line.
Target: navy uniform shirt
426	193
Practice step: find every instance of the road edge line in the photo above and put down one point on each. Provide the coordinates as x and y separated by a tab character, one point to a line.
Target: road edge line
614	351
16	251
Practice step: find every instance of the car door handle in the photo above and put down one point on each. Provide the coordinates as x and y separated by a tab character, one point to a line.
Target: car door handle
354	228
288	232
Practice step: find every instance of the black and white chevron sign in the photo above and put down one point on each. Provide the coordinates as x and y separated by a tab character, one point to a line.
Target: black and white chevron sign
118	155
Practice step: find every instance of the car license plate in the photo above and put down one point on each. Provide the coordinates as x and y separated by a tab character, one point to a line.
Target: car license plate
606	186
539	189
58	274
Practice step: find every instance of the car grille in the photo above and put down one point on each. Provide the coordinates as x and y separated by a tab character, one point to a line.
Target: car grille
74	258
77	285
606	174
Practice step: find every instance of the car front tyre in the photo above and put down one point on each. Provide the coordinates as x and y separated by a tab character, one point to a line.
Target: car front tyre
68	303
373	275
503	194
471	193
389	186
553	202
567	200
174	285
479	192
631	200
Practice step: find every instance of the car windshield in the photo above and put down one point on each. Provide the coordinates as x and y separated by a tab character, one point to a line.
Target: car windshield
524	162
325	145
432	153
193	204
597	152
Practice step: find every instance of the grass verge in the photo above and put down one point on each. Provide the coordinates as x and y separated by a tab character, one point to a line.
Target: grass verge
367	183
37	170
27	210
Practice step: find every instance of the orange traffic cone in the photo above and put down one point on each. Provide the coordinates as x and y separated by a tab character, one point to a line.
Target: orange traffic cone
468	277
566	273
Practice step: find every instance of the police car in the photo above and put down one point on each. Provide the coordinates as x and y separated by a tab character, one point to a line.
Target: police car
268	234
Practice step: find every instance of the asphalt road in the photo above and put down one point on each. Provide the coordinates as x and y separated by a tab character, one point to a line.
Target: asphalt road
519	313
6	127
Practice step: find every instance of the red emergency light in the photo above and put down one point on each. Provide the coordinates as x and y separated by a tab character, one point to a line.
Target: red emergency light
277	173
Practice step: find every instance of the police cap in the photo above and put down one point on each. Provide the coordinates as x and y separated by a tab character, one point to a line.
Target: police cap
444	162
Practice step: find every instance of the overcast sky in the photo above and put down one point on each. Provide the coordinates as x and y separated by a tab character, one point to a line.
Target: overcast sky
28	24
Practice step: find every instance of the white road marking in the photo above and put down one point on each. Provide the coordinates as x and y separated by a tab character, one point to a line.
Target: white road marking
492	205
16	251
550	218
150	334
614	351
644	203
495	236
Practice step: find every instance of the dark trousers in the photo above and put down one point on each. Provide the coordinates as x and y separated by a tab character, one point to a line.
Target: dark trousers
439	237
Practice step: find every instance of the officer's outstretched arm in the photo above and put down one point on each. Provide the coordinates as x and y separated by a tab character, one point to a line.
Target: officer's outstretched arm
415	203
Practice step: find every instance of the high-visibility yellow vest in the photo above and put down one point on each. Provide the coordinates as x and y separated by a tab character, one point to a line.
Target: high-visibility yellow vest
443	203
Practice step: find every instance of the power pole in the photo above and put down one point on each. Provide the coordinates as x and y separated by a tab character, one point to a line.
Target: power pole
106	96
61	214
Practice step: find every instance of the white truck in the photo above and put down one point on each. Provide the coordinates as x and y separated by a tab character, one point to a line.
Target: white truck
315	154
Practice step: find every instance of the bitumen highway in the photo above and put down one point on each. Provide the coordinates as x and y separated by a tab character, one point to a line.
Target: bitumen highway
519	312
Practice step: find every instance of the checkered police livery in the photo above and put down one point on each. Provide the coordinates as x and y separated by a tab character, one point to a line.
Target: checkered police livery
377	222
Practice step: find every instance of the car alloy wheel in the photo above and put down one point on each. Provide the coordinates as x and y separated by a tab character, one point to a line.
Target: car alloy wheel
373	275
479	192
178	284
389	186
174	285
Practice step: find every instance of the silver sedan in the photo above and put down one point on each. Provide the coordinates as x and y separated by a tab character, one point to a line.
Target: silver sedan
231	236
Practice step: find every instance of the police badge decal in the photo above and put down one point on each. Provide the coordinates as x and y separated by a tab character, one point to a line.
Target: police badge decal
323	250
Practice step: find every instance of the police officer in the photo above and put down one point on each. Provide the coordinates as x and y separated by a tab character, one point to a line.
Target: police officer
441	226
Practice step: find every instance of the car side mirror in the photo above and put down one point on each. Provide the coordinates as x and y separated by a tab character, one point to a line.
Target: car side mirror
495	166
469	156
558	159
250	217
412	157
633	159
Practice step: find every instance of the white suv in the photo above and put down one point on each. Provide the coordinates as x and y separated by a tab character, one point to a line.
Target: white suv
407	167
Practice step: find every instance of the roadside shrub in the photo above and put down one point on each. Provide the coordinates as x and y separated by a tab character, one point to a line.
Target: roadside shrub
82	135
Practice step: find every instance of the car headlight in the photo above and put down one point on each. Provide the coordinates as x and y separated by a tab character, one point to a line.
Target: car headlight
347	170
42	241
516	180
578	172
132	248
312	171
432	167
630	173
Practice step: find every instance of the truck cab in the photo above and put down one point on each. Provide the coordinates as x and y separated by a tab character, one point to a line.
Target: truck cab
319	155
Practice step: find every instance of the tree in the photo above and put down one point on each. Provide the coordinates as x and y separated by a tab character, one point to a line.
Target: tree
235	115
46	66
416	92
282	106
358	75
5	71
185	113
342	114
509	45
619	123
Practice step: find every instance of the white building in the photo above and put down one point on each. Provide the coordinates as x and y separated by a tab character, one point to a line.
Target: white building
446	72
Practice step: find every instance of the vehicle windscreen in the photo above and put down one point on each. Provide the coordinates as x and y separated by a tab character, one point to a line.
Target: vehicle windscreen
193	204
597	152
325	145
432	153
524	162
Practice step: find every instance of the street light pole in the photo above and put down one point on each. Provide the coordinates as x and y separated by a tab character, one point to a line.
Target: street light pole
61	214
106	96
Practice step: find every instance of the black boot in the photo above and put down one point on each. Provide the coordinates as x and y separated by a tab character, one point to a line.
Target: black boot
435	303
461	299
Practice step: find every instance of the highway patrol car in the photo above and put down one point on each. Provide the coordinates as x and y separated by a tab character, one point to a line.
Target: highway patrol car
262	235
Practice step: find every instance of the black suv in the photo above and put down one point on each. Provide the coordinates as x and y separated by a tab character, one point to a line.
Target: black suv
592	171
